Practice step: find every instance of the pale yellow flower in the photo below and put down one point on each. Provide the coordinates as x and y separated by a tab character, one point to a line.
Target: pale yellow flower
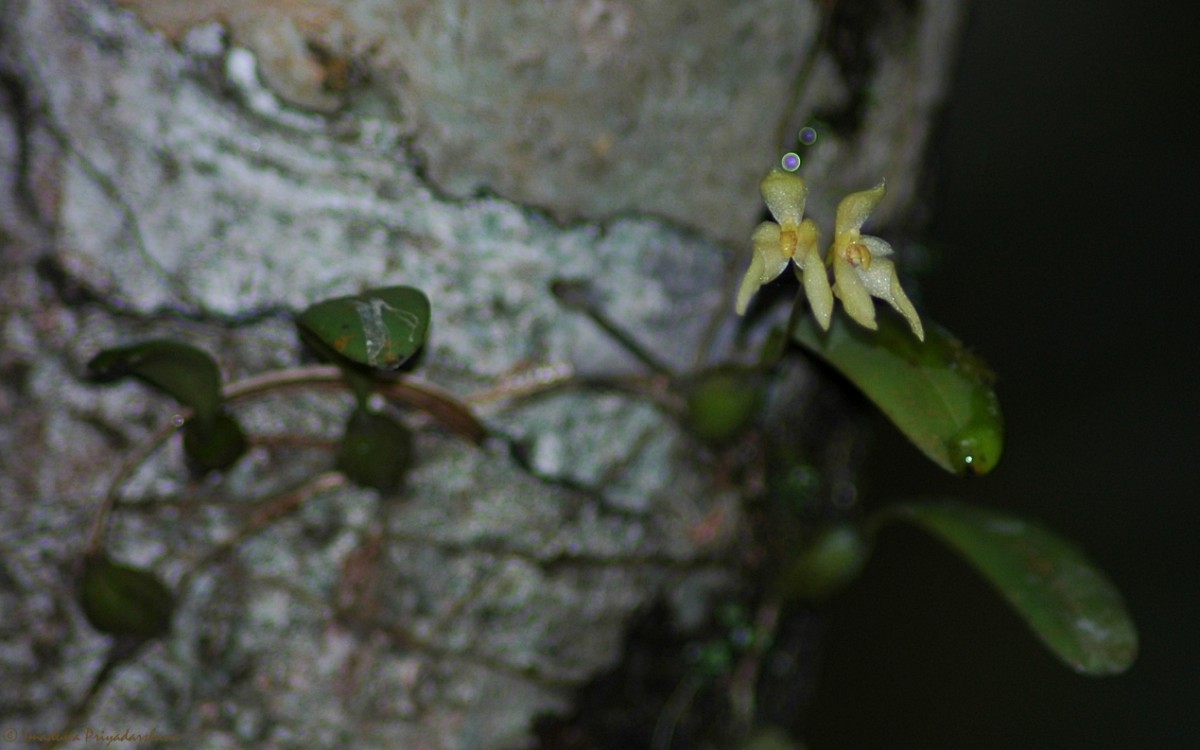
860	268
793	239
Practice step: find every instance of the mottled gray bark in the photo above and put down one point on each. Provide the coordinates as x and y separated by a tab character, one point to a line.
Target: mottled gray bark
199	169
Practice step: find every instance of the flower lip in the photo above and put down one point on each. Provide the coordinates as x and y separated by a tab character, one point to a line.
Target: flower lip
857	254
788	242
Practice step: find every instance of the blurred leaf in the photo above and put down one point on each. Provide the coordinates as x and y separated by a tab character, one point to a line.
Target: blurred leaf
936	392
722	403
826	565
376	451
1067	602
215	445
122	600
380	328
183	372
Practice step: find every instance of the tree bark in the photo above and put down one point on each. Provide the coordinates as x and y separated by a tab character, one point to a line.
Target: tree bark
201	170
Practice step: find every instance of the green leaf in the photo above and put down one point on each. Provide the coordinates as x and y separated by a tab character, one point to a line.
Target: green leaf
123	600
826	564
1069	604
380	328
214	445
183	372
376	451
936	392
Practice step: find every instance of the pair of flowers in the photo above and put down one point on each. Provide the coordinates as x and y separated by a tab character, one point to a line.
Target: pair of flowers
861	269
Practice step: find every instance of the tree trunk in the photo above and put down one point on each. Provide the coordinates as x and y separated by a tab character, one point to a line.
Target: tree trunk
201	170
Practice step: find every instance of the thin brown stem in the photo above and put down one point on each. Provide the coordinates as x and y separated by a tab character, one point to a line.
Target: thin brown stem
435	402
440	405
95	541
263	517
579	295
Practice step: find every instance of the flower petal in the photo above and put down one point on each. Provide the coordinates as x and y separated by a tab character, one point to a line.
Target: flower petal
767	245
785	194
881	281
848	286
766	265
879	248
856	207
814	277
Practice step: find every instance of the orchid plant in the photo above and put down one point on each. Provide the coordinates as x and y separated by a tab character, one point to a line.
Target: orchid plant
931	387
861	269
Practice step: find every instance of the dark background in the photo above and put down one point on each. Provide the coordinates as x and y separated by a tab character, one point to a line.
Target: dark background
1066	254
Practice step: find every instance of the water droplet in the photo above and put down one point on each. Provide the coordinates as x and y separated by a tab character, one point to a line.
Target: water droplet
791	161
807	135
